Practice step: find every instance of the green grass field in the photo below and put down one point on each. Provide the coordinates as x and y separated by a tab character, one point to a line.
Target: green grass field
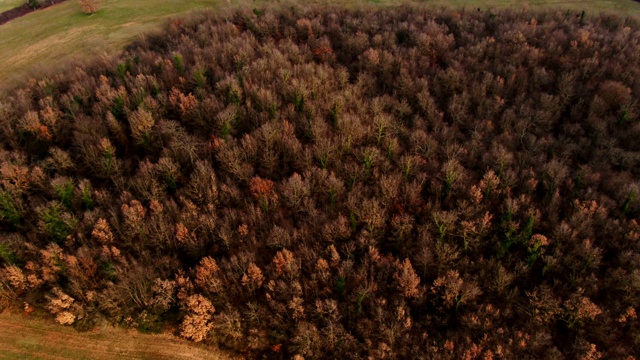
10	4
50	37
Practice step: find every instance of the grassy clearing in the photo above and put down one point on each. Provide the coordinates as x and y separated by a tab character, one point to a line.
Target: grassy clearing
10	4
50	37
33	338
62	31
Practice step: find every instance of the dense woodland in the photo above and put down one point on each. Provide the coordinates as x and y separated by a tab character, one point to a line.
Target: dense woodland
328	183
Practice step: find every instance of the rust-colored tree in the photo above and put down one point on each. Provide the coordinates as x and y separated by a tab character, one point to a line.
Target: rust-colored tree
90	6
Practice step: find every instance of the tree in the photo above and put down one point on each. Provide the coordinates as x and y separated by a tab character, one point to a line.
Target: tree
34	4
90	6
407	280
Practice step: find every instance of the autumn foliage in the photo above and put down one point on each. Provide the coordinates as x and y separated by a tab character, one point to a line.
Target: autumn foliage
90	6
329	183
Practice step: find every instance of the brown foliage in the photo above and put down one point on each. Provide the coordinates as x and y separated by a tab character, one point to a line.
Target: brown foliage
262	189
253	278
407	279
62	306
339	183
102	232
15	277
196	325
284	263
184	103
207	275
90	6
141	123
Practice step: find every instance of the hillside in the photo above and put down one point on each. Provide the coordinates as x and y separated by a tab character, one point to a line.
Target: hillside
51	39
338	183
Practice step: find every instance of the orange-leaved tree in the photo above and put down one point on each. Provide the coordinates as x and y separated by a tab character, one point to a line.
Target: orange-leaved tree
90	6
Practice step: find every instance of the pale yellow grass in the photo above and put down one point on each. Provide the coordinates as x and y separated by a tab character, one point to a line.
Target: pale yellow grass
30	337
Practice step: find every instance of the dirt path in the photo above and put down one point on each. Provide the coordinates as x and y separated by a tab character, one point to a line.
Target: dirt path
23	337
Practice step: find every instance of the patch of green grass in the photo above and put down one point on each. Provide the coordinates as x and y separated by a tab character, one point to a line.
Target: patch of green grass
63	32
10	4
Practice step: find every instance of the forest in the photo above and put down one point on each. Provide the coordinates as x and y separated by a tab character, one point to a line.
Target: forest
357	183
